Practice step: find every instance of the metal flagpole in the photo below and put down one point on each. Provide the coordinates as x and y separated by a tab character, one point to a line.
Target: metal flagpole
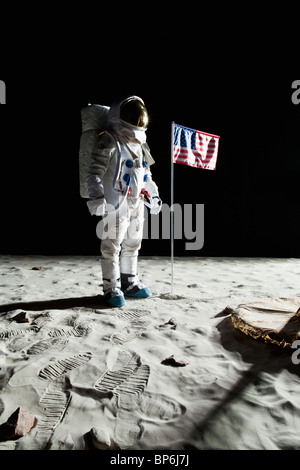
172	205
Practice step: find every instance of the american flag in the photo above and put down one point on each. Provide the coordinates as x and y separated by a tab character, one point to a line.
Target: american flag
195	148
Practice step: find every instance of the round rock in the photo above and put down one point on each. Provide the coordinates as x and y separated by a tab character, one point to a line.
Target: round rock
100	438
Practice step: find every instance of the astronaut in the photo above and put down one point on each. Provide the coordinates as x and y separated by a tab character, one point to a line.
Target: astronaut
119	184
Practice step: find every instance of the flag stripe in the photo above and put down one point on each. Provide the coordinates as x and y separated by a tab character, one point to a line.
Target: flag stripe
193	161
196	155
195	165
199	151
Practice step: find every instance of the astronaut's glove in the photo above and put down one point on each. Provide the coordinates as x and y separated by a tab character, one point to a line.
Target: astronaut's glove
96	206
155	205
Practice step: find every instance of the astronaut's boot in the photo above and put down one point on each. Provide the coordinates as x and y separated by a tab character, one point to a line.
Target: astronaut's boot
113	295
132	287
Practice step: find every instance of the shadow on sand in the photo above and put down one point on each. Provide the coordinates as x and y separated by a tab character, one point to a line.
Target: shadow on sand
92	302
260	356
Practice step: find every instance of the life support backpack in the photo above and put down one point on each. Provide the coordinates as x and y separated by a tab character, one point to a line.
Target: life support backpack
93	120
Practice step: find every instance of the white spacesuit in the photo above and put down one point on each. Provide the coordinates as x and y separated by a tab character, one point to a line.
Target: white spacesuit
119	183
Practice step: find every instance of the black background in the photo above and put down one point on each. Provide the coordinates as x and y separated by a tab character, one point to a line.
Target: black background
242	94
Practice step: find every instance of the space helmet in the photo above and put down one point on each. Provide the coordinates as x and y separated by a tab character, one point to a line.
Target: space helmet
134	113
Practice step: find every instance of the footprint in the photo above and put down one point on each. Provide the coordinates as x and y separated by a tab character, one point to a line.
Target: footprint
131	315
53	370
159	408
135	328
136	383
77	331
110	380
124	381
41	346
8	334
118	358
131	413
55	403
130	332
125	374
128	380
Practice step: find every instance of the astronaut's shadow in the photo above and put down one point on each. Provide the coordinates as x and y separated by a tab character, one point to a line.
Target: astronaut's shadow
261	358
91	302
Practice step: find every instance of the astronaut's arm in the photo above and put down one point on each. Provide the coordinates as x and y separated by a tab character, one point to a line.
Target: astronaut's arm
100	160
151	195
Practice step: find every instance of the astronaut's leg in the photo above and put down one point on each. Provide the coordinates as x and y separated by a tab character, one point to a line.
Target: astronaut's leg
130	284
114	230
